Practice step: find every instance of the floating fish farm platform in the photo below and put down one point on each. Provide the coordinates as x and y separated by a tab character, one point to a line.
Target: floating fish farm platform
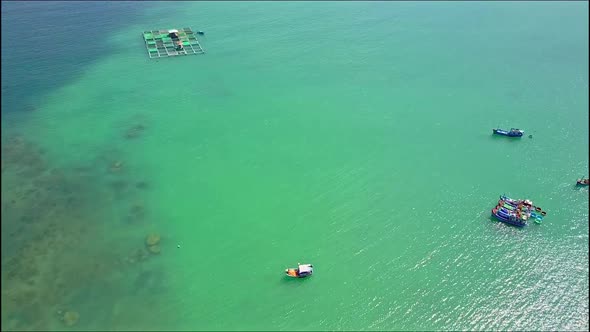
166	43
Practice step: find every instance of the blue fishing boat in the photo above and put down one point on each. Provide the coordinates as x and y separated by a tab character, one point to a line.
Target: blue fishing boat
507	217
513	132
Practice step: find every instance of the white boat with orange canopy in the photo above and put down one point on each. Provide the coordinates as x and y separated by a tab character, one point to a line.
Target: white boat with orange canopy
302	271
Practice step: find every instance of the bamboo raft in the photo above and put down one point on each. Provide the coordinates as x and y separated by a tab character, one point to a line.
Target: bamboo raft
159	44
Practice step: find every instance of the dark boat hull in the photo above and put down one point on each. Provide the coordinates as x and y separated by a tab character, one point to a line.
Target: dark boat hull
299	276
507	133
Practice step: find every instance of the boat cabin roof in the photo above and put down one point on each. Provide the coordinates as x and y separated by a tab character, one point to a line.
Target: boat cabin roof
305	268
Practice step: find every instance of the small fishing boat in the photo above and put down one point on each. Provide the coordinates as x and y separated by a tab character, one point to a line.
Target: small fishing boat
583	182
515	202
513	132
302	271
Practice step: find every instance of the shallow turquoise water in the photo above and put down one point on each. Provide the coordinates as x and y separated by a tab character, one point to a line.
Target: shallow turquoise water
356	136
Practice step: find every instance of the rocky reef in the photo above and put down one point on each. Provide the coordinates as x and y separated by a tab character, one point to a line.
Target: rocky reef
135	131
56	241
152	242
70	318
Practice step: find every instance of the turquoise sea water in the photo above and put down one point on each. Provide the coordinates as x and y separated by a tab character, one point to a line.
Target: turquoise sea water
352	135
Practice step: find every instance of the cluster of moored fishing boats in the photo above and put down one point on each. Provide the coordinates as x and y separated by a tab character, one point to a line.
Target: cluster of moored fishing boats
517	212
